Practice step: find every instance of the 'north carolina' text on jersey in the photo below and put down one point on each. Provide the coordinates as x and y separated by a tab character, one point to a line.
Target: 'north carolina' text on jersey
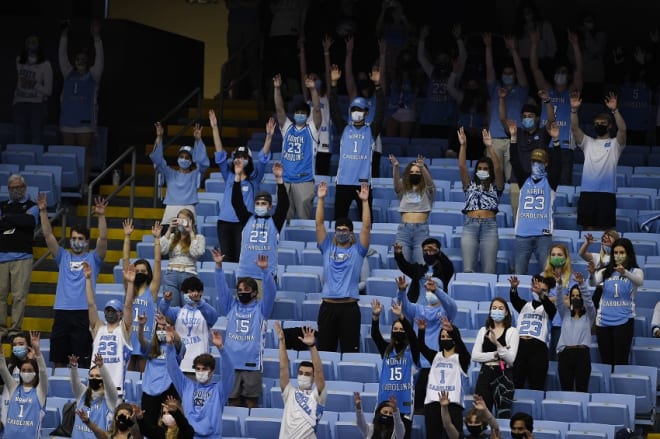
298	150
355	150
535	208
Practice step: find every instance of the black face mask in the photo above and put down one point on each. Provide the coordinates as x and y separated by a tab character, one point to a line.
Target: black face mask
601	130
95	383
415	179
111	316
430	259
385	420
123	422
399	337
447	345
244	298
141	279
475	430
518	435
577	303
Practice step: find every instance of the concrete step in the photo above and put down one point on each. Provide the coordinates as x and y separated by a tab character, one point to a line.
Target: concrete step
123	212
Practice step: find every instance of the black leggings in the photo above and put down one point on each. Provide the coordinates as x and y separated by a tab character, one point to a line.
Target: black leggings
433	419
574	367
230	236
496	387
614	342
339	323
531	364
344	196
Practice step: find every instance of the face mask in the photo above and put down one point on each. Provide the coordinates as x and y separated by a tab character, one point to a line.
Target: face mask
561	78
343	237
386	420
78	246
300	119
415	179
557	261
182	229
507	79
161	335
187	300
447	345
577	303
357	116
168	420
304	382
184	163
430	259
28	377
111	316
202	375
95	383
517	435
141	279
483	175
528	123
19	352
399	337
475	430
497	314
620	259
538	170
431	298
123	422
261	210
244	298
16	194
601	130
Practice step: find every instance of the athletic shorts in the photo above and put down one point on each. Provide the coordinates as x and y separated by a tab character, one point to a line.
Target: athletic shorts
597	210
247	384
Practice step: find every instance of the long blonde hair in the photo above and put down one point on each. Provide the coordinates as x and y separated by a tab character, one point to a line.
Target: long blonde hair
612	234
184	238
549	270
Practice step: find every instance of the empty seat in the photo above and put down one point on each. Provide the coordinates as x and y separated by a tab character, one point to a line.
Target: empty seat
20	158
580	430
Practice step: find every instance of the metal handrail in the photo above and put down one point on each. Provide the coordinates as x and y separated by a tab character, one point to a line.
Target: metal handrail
196	92
130	179
61	212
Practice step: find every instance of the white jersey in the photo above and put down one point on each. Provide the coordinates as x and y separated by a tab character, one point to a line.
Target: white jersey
191	326
445	374
115	351
533	322
302	411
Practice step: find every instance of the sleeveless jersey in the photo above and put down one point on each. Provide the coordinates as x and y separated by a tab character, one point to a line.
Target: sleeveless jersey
259	237
438	108
636	106
99	413
115	352
616	304
245	336
355	149
396	378
78	101
6	397
24	414
325	130
143	304
191	326
535	209
445	374
533	322
561	103
298	150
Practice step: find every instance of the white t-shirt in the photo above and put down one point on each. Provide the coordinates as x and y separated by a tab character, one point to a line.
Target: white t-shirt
302	411
600	159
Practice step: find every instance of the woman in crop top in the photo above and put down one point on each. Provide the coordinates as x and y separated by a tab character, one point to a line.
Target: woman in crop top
415	192
479	239
496	347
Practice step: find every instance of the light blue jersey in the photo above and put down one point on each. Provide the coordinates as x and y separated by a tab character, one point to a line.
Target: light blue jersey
635	106
561	103
355	150
143	305
246	324
78	101
396	378
23	414
155	379
439	108
99	413
249	186
70	293
341	269
616	304
534	217
259	238
299	147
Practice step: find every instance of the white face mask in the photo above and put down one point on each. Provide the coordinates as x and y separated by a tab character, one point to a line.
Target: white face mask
482	175
202	375
431	298
28	377
304	382
357	116
168	420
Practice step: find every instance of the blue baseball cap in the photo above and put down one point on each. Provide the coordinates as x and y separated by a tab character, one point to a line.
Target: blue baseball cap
114	304
360	103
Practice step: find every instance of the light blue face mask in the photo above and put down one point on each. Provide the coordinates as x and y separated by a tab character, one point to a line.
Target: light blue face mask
528	123
19	351
184	163
483	175
261	210
507	79
497	314
431	298
187	300
300	119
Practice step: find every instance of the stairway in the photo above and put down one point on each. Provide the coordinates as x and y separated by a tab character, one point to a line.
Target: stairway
241	119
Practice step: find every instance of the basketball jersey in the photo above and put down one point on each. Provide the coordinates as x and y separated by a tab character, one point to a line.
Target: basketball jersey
143	305
24	414
115	352
259	238
325	130
245	335
635	106
298	150
396	378
445	374
533	322
6	397
78	101
99	413
616	303
439	108
534	217
191	326
561	103
355	149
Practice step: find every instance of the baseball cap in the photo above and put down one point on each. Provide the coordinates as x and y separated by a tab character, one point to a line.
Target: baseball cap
539	155
186	148
360	103
114	304
263	195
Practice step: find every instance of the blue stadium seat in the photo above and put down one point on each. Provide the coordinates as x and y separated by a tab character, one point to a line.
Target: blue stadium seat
231	425
60	386
641	381
564	406
329	361
599	381
261	427
528	401
602	401
580	430
20	158
299	281
547	429
78	151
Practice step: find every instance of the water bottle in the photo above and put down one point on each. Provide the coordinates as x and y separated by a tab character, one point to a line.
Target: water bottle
116	177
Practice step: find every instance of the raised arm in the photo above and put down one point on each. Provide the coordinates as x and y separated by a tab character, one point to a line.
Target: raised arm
42	388
351	88
280	112
102	240
321	231
110	388
537	73
327	44
92	310
488	51
497	165
310	341
578	134
284	357
510	43
217	141
317	117
6	376
611	101
421	52
335	112
46	228
303	65
127	319
396	177
424	349
156	230
127	226
77	387
63	52
365	231
462	158
584	248
447	424
514	297
578	73
376	336
96	70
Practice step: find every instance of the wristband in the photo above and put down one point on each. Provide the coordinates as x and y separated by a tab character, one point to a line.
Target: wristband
547	101
615	111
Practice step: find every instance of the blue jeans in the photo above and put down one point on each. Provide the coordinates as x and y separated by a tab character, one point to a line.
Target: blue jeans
172	281
479	241
525	246
411	236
